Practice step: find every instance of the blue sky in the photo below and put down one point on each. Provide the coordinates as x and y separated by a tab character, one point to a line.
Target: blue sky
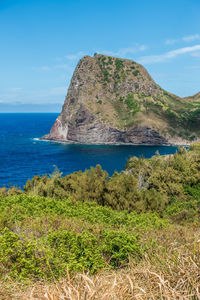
41	42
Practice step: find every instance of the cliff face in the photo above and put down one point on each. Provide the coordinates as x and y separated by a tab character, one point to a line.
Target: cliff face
113	100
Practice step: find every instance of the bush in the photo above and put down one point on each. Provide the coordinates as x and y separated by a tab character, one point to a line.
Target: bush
22	258
147	184
110	61
121	192
136	72
118	247
132	104
87	221
75	252
118	65
62	250
83	186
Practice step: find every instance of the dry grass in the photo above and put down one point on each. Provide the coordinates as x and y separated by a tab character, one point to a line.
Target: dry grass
130	284
171	272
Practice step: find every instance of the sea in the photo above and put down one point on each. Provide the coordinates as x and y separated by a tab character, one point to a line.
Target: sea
23	156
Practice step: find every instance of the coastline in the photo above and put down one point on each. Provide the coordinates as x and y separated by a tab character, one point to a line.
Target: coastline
70	142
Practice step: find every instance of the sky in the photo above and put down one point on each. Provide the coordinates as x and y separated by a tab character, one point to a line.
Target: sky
41	42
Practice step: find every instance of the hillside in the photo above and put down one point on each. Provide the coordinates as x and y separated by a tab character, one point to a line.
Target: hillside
112	100
134	235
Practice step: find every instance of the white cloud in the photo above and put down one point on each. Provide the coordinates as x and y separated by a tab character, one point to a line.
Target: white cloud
131	50
191	38
27	96
196	54
193	67
171	41
58	91
15	89
186	39
124	52
69	66
9	93
168	55
42	68
64	67
74	56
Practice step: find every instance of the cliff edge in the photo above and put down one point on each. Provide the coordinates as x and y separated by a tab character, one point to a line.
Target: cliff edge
112	100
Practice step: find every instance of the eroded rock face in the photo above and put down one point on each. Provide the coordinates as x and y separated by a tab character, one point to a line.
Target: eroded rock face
91	113
85	128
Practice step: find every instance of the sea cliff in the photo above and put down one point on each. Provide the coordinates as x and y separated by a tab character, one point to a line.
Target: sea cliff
112	100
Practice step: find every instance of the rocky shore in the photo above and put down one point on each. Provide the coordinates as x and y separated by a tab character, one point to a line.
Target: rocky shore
115	101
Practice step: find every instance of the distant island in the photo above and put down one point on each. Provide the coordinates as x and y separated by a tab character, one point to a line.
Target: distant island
112	100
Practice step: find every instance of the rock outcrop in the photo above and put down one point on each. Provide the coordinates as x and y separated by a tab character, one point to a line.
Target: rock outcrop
113	100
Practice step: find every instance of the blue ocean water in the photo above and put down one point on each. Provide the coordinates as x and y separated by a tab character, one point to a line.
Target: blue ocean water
22	157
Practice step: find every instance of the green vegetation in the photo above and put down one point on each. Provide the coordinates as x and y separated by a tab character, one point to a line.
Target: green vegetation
103	64
43	236
140	226
146	185
181	115
110	61
176	116
132	104
106	75
118	65
132	99
136	72
87	221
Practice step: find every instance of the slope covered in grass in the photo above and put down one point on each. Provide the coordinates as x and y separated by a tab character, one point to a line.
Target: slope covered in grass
119	94
140	226
44	236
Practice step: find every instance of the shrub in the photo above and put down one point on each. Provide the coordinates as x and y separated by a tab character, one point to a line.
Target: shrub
22	258
118	65
75	252
121	192
132	104
64	250
149	184
136	72
119	246
110	61
83	186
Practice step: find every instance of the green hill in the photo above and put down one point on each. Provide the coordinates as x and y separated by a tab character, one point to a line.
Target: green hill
112	100
70	235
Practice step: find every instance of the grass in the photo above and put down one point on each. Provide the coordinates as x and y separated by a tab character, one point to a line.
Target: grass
77	247
160	111
169	267
170	272
42	237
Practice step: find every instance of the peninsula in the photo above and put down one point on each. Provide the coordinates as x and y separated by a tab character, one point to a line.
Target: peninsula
112	100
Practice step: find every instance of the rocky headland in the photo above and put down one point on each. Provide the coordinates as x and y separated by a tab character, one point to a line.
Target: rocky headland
112	100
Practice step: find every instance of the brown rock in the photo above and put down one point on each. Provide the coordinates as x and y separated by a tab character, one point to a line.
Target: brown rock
113	100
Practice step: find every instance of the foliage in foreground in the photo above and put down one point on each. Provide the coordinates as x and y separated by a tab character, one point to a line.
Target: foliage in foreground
44	237
168	271
146	184
87	222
